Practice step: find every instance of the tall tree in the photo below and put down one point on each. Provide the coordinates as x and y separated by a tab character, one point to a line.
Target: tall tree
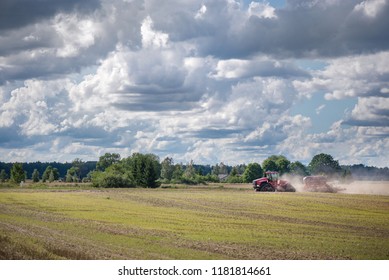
107	160
35	176
283	164
241	168
72	174
3	176
177	172
234	176
298	169
145	169
190	171
269	165
276	163
324	164
46	174
17	173
167	168
81	167
234	171
252	172
216	169
51	176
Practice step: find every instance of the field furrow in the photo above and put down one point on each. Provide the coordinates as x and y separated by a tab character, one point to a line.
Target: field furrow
191	223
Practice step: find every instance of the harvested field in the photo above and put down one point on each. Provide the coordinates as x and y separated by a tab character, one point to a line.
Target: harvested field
179	222
367	187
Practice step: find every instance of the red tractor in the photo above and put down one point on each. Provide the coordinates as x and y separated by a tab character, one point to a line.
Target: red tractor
272	183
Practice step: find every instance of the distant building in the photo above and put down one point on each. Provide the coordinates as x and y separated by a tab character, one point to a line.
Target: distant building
222	177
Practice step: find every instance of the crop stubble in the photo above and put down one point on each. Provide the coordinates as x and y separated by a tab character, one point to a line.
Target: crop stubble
191	223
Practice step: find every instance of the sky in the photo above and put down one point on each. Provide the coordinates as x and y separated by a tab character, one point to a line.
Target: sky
209	81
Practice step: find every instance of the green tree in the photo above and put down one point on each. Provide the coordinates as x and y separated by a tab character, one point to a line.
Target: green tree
269	165
17	173
153	171
35	176
282	165
178	172
81	167
107	160
77	162
201	171
216	170
3	176
212	178
68	177
167	169
298	169
234	179
145	169
51	176
115	176
72	175
276	163
252	172
190	171
234	171
234	176
48	171
241	168
324	164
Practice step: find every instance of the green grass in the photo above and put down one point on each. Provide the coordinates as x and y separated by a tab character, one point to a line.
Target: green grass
190	223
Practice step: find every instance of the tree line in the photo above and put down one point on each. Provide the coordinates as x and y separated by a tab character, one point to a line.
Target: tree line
61	168
146	170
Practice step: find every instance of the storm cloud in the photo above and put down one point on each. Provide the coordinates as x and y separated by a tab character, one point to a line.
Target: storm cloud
19	13
223	80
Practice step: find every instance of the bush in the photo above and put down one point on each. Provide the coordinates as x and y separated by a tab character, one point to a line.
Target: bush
235	180
8	184
212	178
115	181
188	181
111	180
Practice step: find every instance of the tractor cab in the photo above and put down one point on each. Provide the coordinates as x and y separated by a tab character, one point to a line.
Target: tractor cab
272	176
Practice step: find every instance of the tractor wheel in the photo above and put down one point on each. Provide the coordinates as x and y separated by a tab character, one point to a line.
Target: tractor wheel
256	188
289	188
266	187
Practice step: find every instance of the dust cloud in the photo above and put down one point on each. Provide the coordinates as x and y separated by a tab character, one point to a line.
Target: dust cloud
355	187
295	181
367	187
